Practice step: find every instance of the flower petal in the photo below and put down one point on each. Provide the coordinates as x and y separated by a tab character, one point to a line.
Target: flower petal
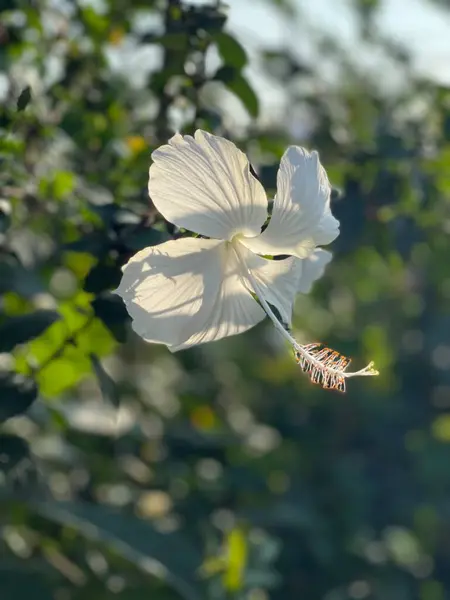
312	269
277	280
301	217
204	184
187	292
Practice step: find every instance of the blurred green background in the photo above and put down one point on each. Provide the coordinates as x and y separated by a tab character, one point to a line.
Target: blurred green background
222	473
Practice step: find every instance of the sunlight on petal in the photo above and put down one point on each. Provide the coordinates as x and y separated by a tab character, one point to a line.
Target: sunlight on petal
204	184
301	217
312	269
187	292
234	310
277	280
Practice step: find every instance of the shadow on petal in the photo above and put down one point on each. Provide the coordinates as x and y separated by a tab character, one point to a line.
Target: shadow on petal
186	292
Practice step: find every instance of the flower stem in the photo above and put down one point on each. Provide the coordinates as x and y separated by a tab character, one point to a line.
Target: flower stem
325	366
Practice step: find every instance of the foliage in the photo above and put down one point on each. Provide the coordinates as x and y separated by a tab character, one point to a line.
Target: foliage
218	472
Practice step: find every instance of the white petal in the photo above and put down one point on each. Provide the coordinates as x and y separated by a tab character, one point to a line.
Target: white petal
277	280
301	217
204	184
234	310
312	269
187	292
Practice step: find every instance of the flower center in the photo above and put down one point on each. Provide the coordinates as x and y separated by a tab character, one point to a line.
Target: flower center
236	238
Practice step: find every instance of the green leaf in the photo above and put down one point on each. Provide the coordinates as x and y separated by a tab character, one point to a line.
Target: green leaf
107	384
13	451
95	243
240	87
19	330
62	351
24	99
101	277
174	41
209	18
231	51
268	176
112	312
167	556
63	372
63	184
138	240
17	393
237	553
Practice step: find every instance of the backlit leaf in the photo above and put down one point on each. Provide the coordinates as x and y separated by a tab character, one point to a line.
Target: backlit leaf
22	329
231	51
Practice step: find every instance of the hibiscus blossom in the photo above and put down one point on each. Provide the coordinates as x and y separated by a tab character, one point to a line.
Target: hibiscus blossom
190	291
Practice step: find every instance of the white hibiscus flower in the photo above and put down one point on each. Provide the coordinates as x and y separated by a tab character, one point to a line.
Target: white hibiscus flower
190	291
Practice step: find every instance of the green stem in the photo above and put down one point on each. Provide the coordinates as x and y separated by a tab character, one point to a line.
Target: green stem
302	350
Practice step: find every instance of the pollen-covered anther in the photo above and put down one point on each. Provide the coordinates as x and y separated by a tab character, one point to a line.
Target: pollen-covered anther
325	366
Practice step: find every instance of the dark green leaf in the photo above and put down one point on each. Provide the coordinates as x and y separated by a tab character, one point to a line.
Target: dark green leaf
107	384
168	556
102	277
13	451
112	312
17	393
240	87
106	212
24	99
19	330
174	41
95	243
231	51
137	240
268	176
226	74
209	18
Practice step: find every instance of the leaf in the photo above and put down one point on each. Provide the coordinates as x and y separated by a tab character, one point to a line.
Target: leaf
106	382
240	87
231	51
17	393
268	176
174	41
138	240
63	372
62	351
13	450
112	312
19	330
167	556
101	277
95	243
63	184
106	212
209	18
24	99
236	553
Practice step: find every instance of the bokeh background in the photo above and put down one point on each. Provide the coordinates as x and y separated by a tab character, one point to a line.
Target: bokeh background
222	473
